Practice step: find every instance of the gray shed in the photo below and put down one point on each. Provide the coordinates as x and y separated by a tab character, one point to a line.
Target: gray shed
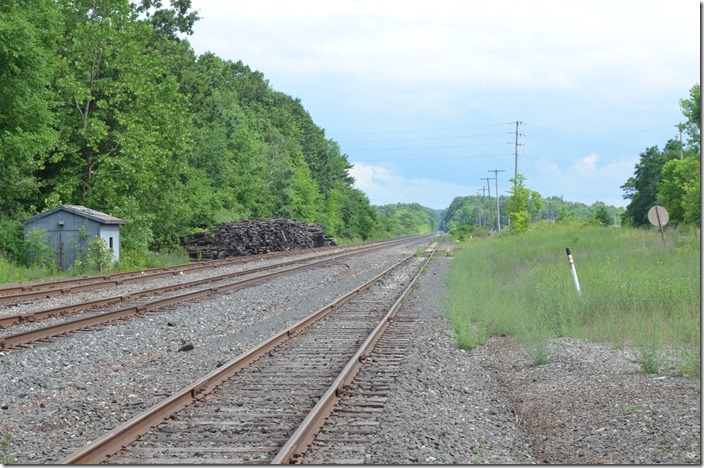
63	226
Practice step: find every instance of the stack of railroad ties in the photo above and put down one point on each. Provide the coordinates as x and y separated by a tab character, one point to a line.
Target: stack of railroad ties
253	237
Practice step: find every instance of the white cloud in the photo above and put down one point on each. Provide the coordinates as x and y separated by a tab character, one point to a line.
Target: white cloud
533	45
585	180
587	163
383	186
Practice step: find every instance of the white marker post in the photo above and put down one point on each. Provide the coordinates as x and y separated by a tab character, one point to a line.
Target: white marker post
574	272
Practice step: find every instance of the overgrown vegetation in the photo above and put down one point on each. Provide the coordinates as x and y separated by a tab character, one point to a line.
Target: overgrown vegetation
636	292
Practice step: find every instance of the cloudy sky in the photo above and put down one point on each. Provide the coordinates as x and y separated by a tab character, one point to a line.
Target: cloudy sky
423	96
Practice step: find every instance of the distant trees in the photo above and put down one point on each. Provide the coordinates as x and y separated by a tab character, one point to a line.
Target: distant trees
523	206
405	219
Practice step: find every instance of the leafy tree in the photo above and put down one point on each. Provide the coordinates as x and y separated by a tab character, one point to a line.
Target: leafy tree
565	216
28	29
522	204
602	215
692	110
168	21
642	188
679	190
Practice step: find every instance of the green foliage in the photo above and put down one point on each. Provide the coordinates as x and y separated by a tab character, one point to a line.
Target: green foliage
642	188
692	110
565	216
103	104
98	258
660	177
6	458
679	190
602	216
635	291
40	253
406	219
522	204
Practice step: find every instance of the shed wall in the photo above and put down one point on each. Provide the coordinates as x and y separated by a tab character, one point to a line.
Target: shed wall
65	239
111	234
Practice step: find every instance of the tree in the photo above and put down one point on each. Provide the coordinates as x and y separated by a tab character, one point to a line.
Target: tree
602	216
522	204
28	29
679	190
121	121
565	216
692	110
642	188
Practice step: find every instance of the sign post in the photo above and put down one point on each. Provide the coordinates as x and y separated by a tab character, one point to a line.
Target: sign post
659	216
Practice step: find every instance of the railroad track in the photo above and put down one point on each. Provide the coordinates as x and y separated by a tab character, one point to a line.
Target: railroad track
267	405
140	306
354	422
18	293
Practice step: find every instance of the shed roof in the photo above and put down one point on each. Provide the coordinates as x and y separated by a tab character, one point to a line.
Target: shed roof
80	210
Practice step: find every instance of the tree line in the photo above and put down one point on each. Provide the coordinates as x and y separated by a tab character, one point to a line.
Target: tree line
104	103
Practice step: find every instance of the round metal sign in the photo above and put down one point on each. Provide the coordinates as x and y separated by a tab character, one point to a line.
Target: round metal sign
658	215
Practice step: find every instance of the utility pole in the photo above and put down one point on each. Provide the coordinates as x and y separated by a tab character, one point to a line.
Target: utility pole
679	127
498	214
488	190
515	174
482	205
479	209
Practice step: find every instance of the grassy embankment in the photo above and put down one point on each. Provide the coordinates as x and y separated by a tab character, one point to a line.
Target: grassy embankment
636	292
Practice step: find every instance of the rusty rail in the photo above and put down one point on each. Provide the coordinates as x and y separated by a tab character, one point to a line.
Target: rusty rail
302	438
29	291
22	338
100	449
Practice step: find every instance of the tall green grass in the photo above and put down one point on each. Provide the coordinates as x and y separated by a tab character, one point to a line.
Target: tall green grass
636	292
11	272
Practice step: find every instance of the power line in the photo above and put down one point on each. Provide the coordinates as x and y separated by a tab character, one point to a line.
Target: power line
422	130
598	134
433	158
425	147
428	138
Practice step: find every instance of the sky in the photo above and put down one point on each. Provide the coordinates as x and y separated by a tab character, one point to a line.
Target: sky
423	96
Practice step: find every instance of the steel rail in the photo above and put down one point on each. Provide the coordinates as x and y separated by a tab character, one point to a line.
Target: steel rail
28	291
303	437
11	320
48	286
29	336
102	448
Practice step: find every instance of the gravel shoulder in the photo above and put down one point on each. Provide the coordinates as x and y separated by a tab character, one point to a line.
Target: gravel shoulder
589	405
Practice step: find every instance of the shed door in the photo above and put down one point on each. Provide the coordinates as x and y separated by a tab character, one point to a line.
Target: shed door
54	240
64	245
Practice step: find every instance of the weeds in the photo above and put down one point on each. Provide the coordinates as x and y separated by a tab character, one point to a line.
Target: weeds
635	292
6	458
650	358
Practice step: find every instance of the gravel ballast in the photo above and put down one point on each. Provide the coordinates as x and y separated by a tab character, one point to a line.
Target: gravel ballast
56	397
591	404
